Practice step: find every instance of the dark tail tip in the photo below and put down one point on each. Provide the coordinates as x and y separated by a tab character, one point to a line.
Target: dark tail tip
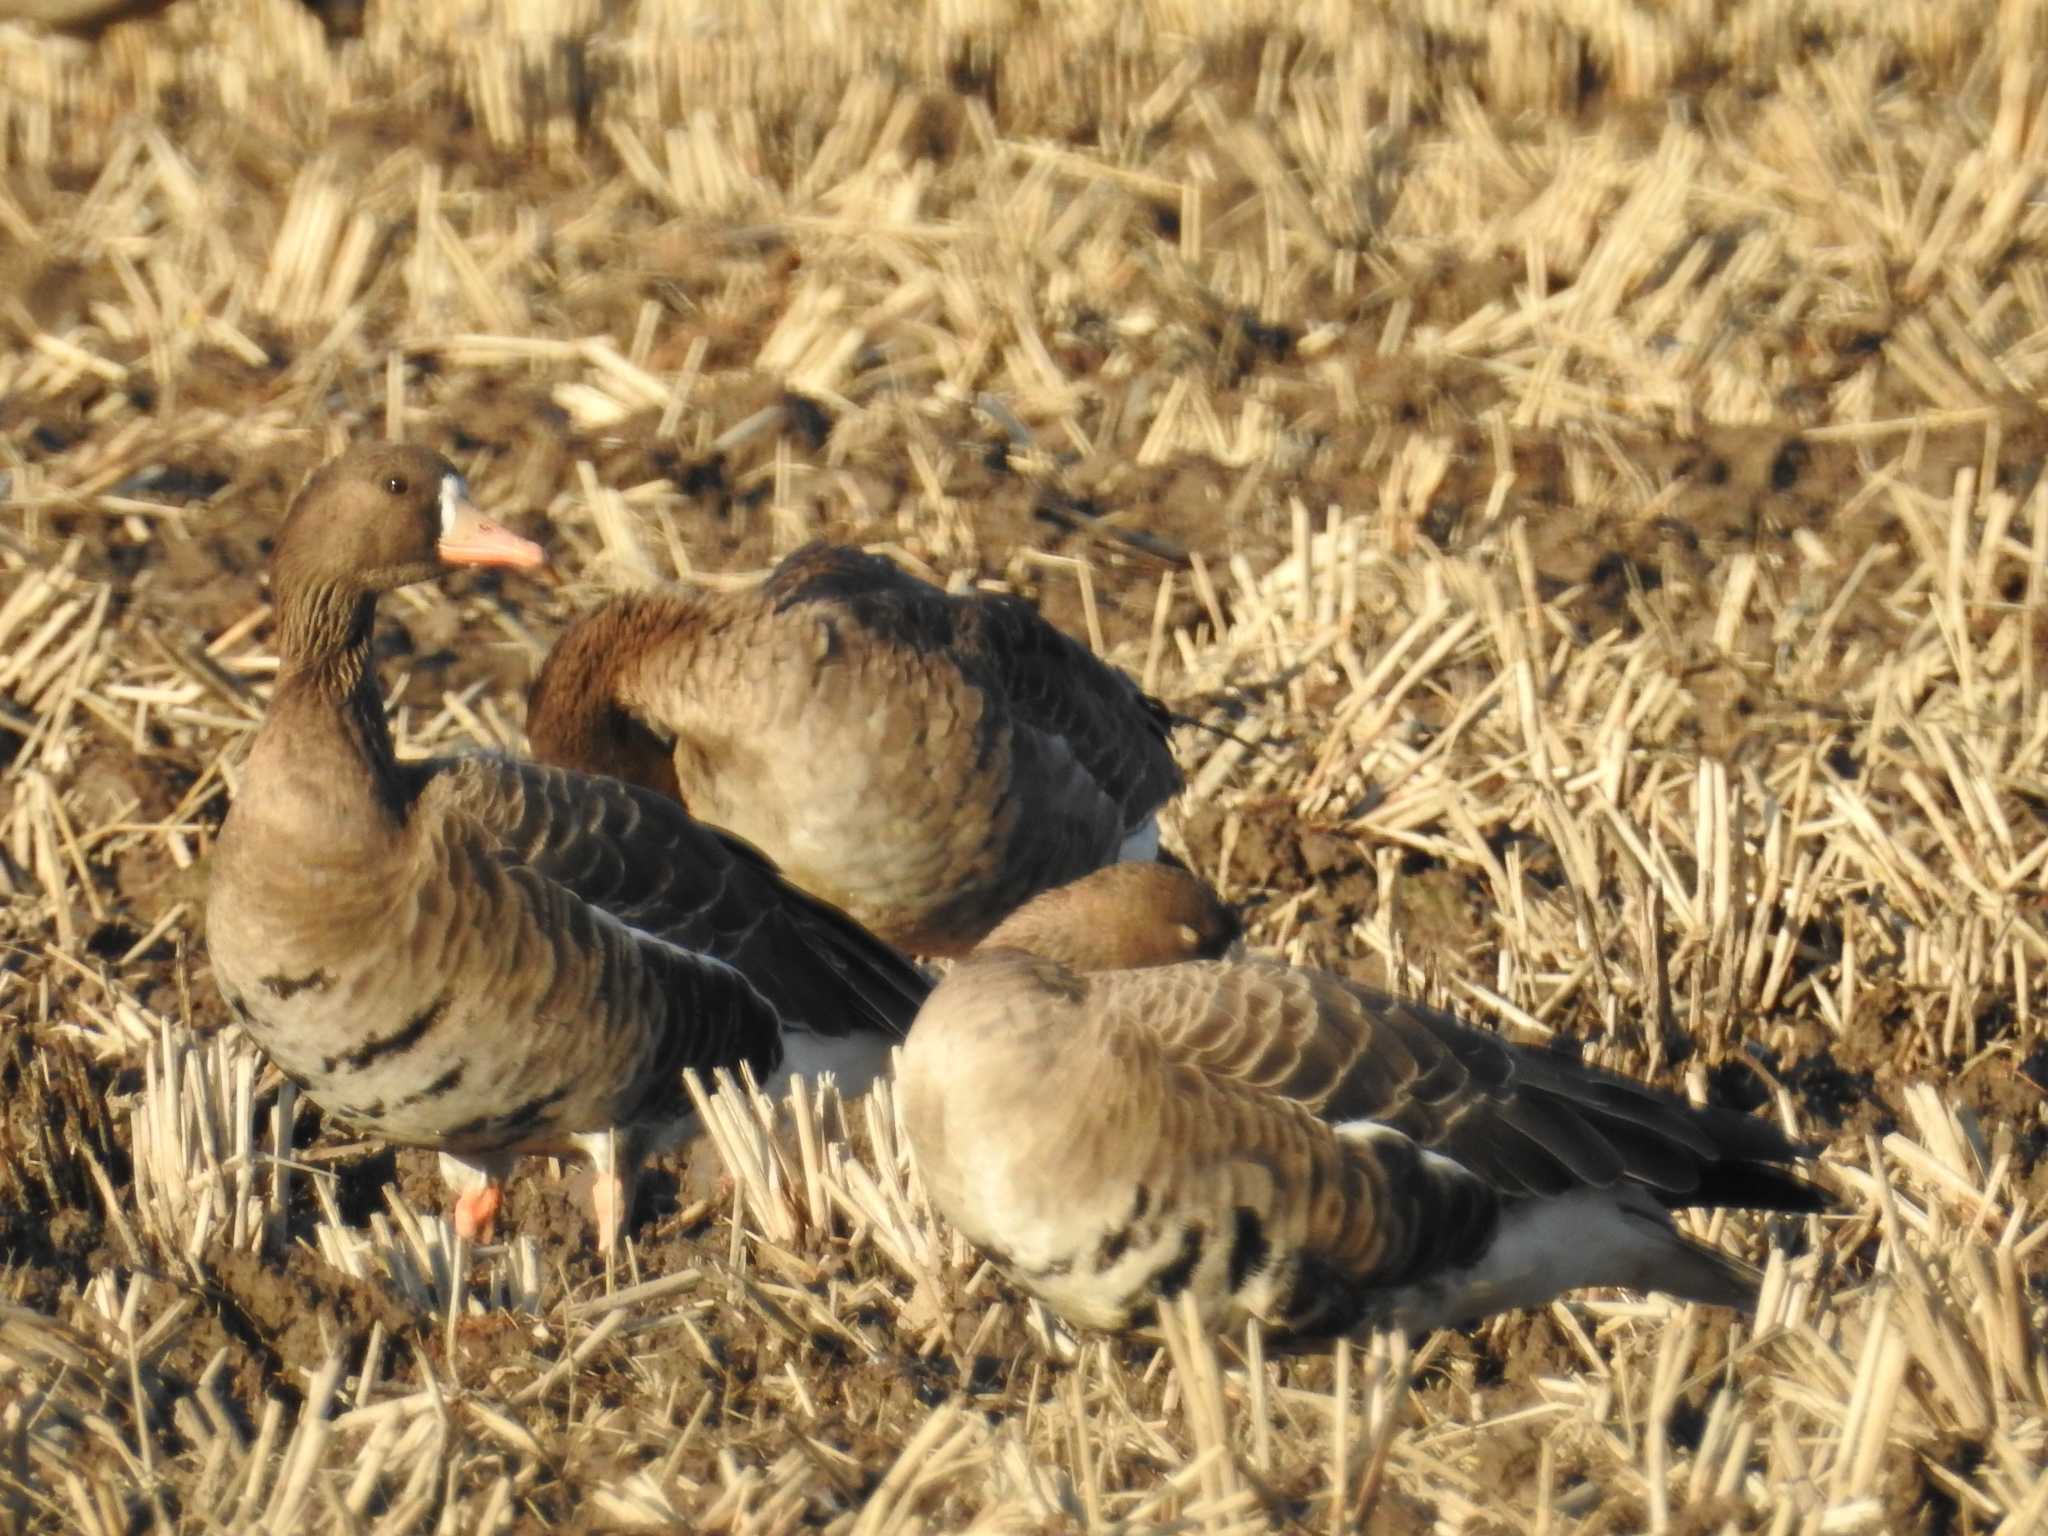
1692	1272
1750	1186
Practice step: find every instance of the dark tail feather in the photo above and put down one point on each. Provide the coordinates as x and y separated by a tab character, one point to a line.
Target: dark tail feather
890	986
1749	1186
886	988
1692	1272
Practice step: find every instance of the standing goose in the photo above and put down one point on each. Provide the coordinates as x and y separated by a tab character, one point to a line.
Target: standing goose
1115	1115
926	762
485	956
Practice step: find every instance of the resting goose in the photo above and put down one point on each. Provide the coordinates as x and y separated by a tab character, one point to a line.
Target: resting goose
1114	1115
486	956
925	761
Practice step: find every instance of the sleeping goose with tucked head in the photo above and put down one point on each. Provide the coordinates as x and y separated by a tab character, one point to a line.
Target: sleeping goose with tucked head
485	956
1115	1113
926	761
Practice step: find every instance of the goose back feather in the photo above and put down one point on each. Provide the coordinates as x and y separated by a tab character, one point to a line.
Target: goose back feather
1286	1145
486	956
925	761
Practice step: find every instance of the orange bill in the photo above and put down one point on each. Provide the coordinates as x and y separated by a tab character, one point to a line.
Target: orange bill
470	538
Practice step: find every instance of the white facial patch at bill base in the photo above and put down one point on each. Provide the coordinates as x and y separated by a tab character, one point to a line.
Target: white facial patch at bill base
454	492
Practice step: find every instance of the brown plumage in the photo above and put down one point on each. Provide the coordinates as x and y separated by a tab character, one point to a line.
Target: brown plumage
486	956
1114	1114
928	762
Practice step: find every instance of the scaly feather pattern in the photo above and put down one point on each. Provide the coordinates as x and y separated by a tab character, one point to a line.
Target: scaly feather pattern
490	957
925	761
1116	1113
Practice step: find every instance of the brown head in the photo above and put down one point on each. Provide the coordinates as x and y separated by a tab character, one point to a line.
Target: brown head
573	715
379	517
1122	917
384	515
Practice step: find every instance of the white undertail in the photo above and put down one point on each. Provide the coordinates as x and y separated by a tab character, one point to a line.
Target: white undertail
1141	844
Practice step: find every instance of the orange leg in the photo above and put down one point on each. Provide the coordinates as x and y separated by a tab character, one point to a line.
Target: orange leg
476	1212
608	1209
479	1186
614	1168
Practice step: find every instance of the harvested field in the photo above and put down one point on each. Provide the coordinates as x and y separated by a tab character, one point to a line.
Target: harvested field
1587	457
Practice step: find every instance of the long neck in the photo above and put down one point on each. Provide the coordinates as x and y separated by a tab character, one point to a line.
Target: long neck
574	718
325	680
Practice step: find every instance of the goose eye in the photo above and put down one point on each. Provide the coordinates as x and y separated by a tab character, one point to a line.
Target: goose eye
396	485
